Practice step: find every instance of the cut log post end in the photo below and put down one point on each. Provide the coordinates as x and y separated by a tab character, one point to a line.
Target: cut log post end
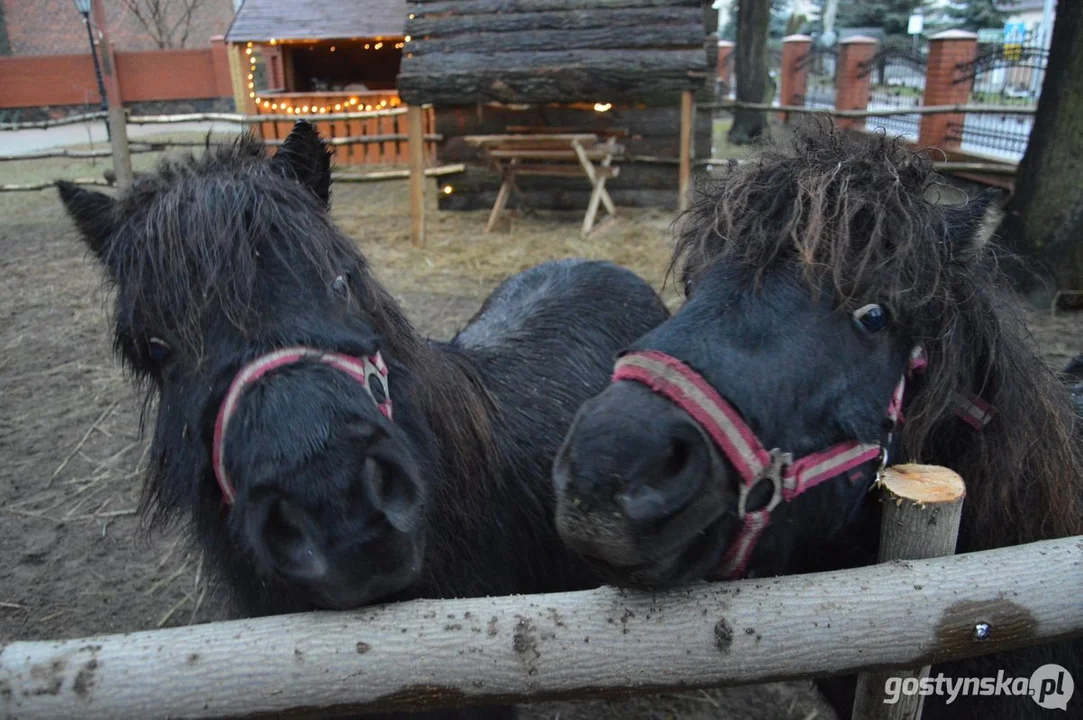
923	505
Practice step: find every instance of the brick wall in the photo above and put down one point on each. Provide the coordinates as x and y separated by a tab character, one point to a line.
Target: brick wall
154	75
54	27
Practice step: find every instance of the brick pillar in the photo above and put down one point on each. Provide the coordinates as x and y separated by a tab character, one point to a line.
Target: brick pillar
725	65
852	90
223	83
794	79
946	51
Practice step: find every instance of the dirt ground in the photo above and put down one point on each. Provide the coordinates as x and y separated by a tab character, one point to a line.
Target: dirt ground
76	560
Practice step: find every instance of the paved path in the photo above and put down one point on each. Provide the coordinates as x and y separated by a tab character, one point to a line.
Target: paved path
17	142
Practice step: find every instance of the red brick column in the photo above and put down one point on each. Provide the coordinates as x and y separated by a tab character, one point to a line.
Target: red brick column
220	60
946	51
725	64
794	80
851	90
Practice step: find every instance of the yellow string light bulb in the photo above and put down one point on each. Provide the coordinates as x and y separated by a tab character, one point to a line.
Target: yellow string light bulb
249	44
274	106
251	94
407	38
602	107
378	45
258	101
366	46
274	41
337	107
448	189
332	48
304	109
248	50
411	16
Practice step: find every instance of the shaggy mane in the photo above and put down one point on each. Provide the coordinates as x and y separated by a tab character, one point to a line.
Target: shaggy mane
196	237
852	214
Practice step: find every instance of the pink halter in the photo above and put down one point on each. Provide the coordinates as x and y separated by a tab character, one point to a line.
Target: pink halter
360	369
681	385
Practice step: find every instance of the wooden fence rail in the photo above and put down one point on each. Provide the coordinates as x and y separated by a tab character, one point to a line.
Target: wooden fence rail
883	112
426	653
156	146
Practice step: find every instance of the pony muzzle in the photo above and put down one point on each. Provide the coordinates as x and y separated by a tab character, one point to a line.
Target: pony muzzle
637	480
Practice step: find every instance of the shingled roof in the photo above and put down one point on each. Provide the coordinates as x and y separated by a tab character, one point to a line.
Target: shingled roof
263	20
554	51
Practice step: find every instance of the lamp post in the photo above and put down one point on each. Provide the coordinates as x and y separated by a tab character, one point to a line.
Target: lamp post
83	6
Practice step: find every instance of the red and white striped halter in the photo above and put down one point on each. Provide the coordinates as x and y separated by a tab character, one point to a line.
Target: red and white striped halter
363	370
789	478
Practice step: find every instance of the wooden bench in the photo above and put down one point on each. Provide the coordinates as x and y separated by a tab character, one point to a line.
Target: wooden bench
554	155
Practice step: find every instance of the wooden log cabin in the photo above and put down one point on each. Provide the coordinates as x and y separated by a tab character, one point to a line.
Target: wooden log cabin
335	56
607	67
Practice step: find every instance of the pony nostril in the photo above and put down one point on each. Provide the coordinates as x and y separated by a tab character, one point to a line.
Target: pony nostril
677	457
667	485
393	490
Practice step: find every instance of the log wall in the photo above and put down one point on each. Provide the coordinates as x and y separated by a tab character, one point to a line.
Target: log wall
653	132
556	51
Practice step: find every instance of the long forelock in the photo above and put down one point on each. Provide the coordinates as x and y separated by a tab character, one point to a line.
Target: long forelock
198	230
851	215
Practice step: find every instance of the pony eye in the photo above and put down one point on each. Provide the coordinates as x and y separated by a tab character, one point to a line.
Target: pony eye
157	349
872	317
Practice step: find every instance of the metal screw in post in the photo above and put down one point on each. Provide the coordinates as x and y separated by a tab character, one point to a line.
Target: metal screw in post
83	6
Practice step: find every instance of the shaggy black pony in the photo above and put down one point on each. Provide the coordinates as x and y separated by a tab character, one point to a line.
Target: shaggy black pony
821	282
321	452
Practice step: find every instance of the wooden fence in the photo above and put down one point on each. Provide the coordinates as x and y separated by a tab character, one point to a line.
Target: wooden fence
890	619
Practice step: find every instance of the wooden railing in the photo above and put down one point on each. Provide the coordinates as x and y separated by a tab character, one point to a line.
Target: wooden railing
393	147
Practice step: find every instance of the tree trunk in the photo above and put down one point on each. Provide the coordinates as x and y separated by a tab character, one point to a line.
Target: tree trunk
751	69
1045	215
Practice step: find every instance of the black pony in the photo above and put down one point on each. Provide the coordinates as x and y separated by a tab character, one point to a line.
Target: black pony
323	454
834	312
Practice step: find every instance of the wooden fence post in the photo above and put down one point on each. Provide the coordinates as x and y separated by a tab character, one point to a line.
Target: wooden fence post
415	130
684	182
922	506
118	131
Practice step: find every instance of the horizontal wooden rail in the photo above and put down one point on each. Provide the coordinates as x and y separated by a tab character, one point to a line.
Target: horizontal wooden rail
45	124
885	112
257	119
432	653
162	146
45	185
375	176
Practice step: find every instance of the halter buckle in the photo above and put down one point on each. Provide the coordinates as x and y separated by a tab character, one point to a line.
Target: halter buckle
775	472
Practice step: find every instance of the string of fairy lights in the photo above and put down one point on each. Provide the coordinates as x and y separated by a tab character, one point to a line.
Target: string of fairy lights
345	105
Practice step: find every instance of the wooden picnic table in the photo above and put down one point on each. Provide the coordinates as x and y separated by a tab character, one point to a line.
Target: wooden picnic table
552	154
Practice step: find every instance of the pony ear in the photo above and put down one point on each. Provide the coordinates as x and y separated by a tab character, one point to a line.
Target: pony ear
305	158
972	224
93	213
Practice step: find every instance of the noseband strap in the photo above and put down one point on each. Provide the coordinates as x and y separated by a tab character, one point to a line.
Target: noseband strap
789	478
363	370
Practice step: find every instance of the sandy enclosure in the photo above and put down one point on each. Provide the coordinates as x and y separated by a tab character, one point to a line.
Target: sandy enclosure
76	558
